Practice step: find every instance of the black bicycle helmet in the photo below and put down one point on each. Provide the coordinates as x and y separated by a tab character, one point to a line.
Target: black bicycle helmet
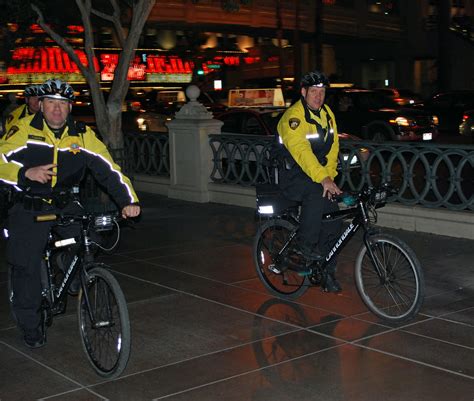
32	90
57	89
314	78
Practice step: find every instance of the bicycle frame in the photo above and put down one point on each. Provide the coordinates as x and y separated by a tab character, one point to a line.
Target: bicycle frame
360	219
56	294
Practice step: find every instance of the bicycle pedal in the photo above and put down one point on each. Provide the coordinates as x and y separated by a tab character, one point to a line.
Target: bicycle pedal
274	269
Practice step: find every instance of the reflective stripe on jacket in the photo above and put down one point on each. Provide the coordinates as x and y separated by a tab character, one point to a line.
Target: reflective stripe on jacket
31	143
298	130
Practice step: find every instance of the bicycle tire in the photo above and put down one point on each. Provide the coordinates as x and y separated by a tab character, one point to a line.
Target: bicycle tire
400	297
107	347
269	240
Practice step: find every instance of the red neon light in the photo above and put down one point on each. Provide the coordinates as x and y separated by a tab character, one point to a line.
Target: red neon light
45	60
75	28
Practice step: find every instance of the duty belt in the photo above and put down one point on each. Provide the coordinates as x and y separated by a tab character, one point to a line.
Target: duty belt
47	201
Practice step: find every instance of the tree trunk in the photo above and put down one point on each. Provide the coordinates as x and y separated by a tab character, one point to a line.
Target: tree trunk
108	115
115	135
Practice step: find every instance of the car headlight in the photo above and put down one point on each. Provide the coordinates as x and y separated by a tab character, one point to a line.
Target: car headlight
402	121
353	159
141	124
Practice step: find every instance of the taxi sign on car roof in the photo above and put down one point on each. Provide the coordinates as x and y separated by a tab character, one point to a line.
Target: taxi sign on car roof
271	97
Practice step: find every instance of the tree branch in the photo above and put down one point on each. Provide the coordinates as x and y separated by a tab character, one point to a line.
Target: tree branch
141	10
115	19
61	42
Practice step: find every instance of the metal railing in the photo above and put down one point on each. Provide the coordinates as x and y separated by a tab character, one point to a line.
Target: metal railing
148	153
431	175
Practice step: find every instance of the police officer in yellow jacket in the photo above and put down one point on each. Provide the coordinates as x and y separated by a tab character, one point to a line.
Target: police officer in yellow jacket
308	133
30	107
43	156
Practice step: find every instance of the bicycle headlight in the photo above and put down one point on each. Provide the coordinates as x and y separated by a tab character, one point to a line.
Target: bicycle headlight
267	209
380	196
103	223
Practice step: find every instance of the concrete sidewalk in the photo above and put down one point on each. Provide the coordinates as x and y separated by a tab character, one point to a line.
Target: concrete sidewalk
204	328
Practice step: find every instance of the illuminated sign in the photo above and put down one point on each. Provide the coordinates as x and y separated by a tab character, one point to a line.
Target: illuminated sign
136	71
45	59
36	64
272	97
150	68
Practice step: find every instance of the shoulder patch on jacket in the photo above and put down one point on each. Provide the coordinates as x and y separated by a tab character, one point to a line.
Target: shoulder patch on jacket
294	123
13	130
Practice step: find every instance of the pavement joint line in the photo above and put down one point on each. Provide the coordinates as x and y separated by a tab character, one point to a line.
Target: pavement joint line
412	360
457	311
437	339
155	248
200	356
240	309
42	364
73	391
231	285
134	259
247	373
212	301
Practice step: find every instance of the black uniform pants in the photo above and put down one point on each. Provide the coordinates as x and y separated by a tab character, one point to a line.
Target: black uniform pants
313	232
26	243
25	248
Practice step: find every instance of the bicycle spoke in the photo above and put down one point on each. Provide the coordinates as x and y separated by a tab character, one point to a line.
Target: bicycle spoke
396	295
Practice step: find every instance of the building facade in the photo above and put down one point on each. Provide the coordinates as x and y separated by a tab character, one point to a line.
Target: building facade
423	45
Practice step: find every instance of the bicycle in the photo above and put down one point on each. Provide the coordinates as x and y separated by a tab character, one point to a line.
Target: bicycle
104	323
388	275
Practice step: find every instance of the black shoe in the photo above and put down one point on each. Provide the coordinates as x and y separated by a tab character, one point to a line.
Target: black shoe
309	254
34	338
330	284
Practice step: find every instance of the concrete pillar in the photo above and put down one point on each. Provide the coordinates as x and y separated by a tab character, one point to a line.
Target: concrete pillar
190	153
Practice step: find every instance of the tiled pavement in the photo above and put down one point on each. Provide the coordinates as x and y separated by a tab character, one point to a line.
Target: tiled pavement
204	328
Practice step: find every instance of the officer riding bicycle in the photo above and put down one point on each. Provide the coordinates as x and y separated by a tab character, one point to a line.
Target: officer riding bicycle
308	155
44	156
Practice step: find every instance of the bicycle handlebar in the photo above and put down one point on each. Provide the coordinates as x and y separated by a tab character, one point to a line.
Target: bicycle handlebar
101	221
374	195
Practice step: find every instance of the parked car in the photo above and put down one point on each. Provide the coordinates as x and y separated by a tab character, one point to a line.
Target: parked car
403	97
466	127
450	108
252	121
371	115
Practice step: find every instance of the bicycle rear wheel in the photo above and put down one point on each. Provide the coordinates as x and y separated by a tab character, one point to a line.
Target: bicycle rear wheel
396	295
270	239
105	327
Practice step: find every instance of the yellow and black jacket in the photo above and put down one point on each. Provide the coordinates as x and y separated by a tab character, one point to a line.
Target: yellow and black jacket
311	140
16	115
31	143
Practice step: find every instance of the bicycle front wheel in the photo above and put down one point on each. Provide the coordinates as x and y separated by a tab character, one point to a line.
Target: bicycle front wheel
271	237
104	324
396	294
